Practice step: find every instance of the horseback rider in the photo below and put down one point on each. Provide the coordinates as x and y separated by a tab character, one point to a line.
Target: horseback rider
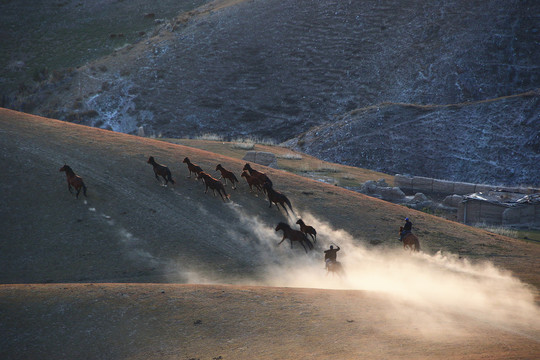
407	229
330	255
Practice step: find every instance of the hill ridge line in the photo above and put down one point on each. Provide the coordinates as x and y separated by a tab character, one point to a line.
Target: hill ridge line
535	92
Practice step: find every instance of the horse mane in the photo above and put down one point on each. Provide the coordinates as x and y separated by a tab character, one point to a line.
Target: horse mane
67	169
283	226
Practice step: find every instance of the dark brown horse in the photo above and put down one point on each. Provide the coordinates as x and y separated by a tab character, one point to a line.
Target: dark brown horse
227	175
213	184
74	181
262	176
334	267
161	170
193	168
308	230
252	181
409	241
294	235
277	198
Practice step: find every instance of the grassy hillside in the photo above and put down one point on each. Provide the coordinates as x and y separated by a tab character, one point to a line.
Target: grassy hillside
129	215
42	39
468	294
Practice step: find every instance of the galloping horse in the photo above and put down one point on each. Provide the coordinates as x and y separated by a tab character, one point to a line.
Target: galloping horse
335	267
161	170
262	176
307	229
410	241
74	180
227	175
277	198
193	168
252	181
213	184
293	235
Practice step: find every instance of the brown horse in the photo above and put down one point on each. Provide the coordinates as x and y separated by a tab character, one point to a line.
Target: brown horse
308	230
252	181
74	181
227	175
277	198
213	184
262	176
335	268
161	170
193	168
294	235
409	241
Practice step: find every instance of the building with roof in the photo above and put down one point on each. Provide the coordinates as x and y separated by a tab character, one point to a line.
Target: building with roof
500	208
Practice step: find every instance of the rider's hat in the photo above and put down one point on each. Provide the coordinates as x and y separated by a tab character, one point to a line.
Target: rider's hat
406	219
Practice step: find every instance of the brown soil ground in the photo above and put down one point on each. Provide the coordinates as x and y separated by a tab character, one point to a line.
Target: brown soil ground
141	271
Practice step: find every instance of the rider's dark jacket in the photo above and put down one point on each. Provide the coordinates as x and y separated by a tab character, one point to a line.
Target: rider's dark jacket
331	254
408	226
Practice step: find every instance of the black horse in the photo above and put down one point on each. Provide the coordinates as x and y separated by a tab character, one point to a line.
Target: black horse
276	197
294	235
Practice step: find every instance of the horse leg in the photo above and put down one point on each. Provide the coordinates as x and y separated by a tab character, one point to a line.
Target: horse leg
69	188
279	243
283	206
78	191
220	194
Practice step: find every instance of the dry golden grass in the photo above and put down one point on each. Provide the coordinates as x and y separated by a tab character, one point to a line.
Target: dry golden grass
139	271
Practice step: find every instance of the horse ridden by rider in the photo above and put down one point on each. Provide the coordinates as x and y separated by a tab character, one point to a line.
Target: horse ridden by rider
330	261
407	237
330	256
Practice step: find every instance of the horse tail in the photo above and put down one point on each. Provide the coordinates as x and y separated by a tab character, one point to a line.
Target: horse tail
416	244
234	178
310	244
290	206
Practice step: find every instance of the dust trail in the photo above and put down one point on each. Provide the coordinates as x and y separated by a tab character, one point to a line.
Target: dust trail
132	247
438	287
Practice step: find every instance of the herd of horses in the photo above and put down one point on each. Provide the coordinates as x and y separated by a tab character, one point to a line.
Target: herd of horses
258	182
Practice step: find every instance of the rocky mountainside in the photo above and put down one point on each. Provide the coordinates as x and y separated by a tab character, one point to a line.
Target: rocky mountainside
278	68
489	142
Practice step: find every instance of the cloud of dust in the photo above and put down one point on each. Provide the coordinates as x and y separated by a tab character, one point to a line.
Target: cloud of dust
438	287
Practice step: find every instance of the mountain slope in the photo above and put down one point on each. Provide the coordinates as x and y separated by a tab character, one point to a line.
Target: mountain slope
279	68
473	142
390	303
